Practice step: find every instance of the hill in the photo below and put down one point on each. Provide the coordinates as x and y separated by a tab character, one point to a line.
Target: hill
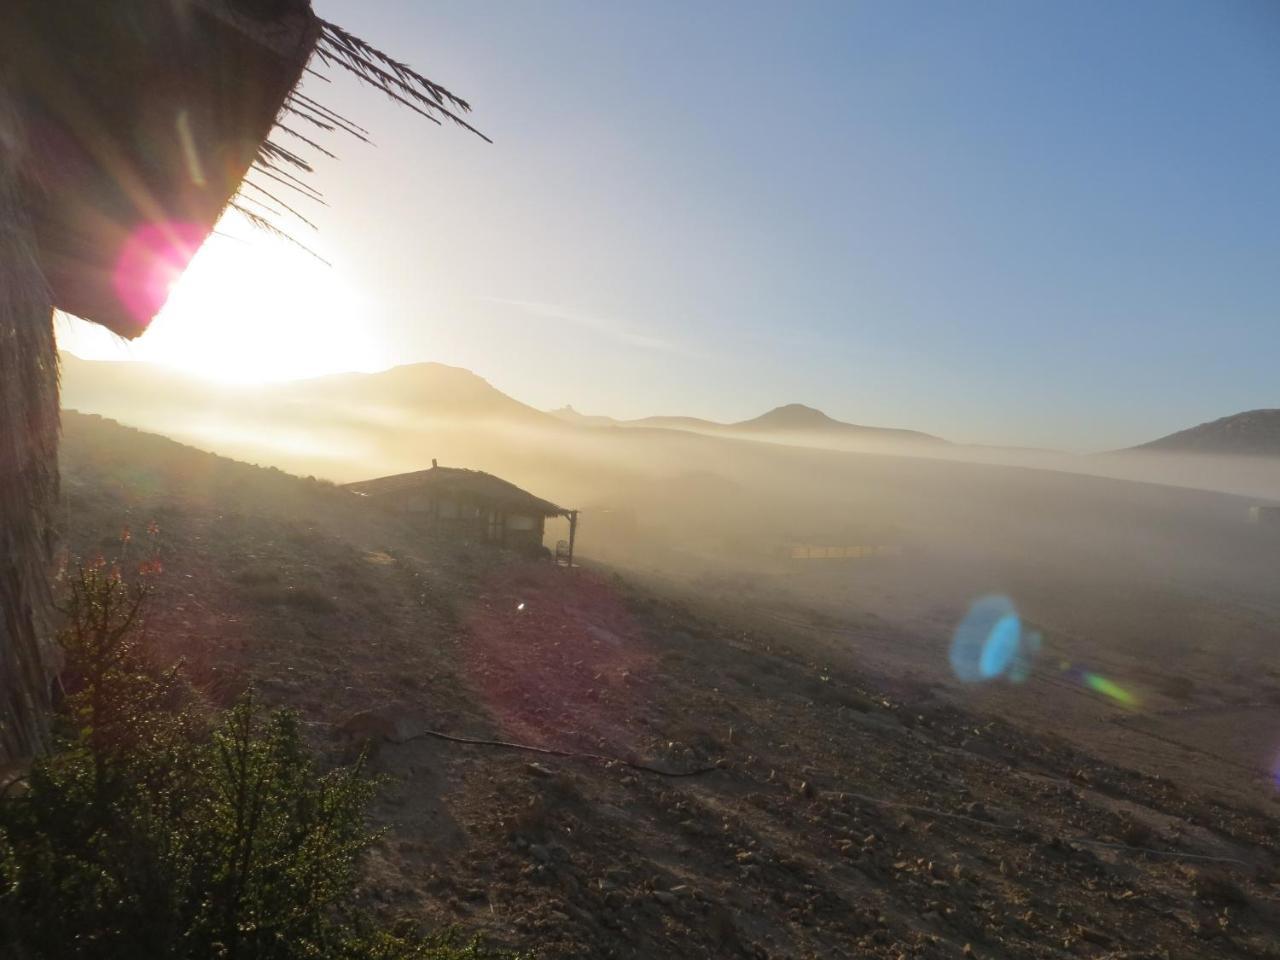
797	418
418	389
794	420
129	391
832	811
570	415
1252	433
345	427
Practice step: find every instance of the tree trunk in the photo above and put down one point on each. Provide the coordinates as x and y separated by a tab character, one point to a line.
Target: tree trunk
28	460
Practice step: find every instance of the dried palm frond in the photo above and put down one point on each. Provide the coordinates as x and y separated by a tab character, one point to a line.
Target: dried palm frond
340	49
91	95
397	80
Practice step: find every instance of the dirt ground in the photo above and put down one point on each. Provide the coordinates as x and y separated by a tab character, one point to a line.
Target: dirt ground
850	799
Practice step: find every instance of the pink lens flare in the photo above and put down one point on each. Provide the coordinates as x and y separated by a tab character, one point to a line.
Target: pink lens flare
568	670
151	262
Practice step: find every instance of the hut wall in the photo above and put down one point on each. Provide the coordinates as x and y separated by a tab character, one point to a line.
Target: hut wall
524	531
469	517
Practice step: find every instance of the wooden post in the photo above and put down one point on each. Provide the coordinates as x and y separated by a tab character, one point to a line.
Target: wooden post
573	533
28	458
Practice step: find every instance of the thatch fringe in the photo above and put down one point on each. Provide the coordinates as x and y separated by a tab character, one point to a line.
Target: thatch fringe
397	80
343	50
28	463
28	359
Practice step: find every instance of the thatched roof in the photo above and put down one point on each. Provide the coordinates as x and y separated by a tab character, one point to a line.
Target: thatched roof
126	129
472	484
148	118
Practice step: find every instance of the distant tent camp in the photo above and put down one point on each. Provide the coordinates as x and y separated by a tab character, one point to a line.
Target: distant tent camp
471	505
126	129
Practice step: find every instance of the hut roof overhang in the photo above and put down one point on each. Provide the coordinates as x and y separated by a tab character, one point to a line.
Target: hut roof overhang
458	481
143	117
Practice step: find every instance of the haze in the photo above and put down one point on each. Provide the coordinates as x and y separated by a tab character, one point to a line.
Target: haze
906	376
1052	228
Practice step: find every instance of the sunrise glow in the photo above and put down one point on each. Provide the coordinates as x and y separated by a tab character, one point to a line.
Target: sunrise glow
252	308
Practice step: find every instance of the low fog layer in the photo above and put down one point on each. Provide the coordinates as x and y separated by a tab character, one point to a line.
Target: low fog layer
354	426
1124	567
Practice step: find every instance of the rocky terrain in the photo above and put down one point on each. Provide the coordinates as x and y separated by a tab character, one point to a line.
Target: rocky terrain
836	804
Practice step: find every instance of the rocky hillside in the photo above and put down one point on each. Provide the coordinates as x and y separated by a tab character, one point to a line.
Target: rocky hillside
766	798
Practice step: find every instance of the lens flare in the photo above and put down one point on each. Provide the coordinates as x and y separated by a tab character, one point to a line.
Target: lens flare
988	641
992	642
151	262
1001	646
1109	688
1020	669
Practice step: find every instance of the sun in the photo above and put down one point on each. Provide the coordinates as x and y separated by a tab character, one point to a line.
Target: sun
251	308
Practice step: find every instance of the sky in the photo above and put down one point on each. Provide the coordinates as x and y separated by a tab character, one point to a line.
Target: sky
1044	224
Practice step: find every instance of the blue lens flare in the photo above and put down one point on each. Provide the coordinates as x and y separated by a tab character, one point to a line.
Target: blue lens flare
1020	667
1001	647
990	642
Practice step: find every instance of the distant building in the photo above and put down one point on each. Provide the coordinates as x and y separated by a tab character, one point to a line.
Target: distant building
1265	516
813	551
471	505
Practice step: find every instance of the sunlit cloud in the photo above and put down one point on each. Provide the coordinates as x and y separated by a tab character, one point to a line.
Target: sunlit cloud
609	327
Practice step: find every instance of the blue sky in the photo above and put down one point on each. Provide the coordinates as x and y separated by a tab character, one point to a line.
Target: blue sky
1032	223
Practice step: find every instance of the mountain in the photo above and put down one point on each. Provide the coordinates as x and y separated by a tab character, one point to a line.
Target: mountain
344	427
427	389
695	424
570	415
792	420
797	418
128	391
793	416
1252	433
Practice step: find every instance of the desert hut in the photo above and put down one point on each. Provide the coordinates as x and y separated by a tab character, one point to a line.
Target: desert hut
126	129
470	505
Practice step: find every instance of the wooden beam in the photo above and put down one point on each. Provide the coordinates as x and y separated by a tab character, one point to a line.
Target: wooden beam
28	457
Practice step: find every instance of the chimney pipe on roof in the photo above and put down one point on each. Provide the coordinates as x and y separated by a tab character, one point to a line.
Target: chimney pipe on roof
433	463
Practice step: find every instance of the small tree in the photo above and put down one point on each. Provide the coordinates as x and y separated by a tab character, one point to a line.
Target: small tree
158	830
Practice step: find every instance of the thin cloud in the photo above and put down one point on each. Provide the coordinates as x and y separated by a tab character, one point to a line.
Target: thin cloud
613	329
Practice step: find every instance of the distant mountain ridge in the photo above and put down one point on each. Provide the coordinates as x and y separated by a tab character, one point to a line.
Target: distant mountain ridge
793	416
1251	433
114	389
424	388
797	418
420	391
791	419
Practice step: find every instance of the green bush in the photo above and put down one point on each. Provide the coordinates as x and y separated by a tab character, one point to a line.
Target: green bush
156	830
